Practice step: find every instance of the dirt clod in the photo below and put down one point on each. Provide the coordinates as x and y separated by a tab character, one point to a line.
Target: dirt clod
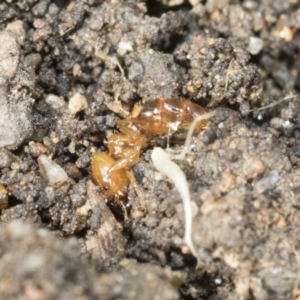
15	103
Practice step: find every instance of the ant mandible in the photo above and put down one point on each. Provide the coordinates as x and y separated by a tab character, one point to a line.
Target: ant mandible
112	171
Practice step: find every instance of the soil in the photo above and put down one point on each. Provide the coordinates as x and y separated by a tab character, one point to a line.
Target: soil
64	64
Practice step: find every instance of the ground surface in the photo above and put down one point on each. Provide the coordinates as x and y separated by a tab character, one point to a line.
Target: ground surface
62	64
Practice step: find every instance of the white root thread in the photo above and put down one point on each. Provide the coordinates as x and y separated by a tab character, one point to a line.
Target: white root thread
274	103
227	76
187	144
105	57
166	166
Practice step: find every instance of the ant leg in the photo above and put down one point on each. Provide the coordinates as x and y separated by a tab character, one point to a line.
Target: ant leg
125	162
127	128
119	164
137	190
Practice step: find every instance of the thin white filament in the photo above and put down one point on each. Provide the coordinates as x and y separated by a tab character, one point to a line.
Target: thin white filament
187	144
166	166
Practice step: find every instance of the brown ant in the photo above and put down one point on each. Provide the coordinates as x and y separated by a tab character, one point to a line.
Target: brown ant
112	171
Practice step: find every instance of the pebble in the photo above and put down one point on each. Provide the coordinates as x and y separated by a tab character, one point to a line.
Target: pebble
228	182
255	45
3	197
267	182
36	149
55	101
51	171
32	60
77	103
73	171
6	158
17	28
253	167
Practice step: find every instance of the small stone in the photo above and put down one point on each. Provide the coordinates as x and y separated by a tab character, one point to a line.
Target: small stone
194	2
17	28
124	47
253	167
255	45
37	149
6	158
32	60
9	60
285	33
267	182
227	183
3	197
55	101
73	171
51	171
281	223
215	5
77	103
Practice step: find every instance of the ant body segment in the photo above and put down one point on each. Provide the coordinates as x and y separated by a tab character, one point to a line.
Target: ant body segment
112	171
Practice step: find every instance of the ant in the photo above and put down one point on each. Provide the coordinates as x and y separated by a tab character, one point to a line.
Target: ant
112	171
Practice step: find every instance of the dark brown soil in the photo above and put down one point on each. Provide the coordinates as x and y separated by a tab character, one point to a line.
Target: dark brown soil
62	64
